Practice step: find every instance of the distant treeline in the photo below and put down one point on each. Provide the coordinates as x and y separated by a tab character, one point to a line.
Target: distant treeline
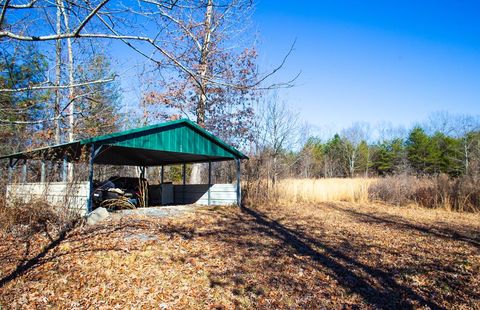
418	153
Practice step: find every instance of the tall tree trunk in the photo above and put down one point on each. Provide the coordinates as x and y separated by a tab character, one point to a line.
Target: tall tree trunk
368	162
196	174
275	171
58	73
465	154
352	163
204	55
71	95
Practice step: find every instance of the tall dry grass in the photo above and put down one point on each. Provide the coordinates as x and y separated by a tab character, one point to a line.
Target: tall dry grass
323	190
440	192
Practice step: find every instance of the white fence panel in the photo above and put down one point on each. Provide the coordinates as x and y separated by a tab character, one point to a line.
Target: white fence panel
73	196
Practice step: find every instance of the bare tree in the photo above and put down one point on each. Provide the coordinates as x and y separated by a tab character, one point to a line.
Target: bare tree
277	131
218	79
465	127
352	137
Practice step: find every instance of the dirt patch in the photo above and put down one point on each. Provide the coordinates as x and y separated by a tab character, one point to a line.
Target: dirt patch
329	255
164	211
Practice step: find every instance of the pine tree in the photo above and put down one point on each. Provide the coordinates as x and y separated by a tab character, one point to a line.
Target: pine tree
419	151
445	155
363	162
99	106
23	114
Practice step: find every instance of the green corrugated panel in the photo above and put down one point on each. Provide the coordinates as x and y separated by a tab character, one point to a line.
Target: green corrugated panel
181	136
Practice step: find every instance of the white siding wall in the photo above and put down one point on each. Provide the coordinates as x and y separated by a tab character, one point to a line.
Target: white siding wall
75	196
72	196
220	194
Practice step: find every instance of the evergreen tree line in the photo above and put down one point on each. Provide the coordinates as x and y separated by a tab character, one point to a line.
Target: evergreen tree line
28	117
419	153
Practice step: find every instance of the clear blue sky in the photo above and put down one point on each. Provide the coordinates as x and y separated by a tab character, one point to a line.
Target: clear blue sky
394	61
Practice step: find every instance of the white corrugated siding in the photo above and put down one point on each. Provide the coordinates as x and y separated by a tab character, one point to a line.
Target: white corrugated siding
73	196
220	194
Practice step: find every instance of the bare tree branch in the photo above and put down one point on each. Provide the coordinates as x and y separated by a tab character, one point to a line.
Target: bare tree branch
4	10
89	17
30	88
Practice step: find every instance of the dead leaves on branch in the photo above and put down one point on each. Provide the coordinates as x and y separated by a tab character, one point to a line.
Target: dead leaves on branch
327	255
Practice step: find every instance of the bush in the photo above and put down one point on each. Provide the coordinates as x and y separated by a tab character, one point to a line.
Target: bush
459	194
397	190
24	220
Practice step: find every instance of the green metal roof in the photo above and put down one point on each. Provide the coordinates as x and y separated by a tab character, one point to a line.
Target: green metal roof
166	143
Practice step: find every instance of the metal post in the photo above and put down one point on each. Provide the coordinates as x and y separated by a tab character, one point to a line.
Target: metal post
42	172
10	170
209	180
183	174
184	182
24	171
64	169
90	180
239	191
161	175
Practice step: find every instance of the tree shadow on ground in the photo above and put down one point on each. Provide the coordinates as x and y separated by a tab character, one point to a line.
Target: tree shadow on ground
390	294
401	223
244	233
32	262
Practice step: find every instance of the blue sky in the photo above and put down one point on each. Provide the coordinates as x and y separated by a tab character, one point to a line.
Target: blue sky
374	61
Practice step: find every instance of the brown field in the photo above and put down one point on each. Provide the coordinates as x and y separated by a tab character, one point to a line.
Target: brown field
324	190
284	256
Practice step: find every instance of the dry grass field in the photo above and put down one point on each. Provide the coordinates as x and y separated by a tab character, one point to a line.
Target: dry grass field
331	255
324	190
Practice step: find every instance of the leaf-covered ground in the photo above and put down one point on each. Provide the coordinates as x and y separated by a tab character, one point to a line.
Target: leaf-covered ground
329	255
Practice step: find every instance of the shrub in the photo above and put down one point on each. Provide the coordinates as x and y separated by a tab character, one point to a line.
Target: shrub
397	190
459	194
24	220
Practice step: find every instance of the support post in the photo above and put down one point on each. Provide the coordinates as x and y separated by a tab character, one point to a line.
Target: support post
90	180
10	170
64	169
184	172
24	171
239	190
42	172
209	180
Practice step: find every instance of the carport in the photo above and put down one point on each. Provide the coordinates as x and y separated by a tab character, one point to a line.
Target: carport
171	143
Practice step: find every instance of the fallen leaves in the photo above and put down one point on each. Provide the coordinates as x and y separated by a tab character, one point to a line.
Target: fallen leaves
332	255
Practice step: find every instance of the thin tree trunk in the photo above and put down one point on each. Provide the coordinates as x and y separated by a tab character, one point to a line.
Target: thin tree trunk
71	95
465	152
274	174
204	55
352	164
58	73
368	162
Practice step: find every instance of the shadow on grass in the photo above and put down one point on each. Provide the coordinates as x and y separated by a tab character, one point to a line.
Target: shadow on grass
32	262
400	223
45	254
390	295
375	286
